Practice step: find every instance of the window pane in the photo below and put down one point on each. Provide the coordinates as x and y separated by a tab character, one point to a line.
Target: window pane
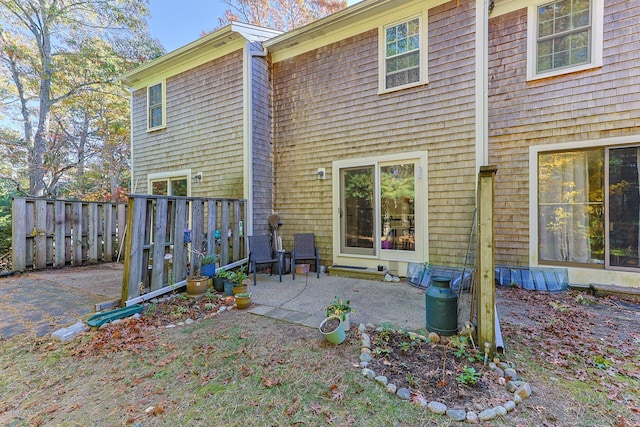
155	94
397	207
357	209
179	187
624	207
156	117
391	34
159	188
571	211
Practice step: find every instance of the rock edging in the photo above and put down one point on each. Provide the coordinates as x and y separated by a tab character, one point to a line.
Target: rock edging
521	390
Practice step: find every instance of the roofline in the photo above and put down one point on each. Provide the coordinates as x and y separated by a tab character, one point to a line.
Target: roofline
230	32
355	12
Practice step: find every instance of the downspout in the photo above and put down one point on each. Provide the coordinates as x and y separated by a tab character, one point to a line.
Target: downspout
131	188
247	107
482	82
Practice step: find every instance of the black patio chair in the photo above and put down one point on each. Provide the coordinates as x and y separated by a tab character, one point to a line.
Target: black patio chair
261	252
304	248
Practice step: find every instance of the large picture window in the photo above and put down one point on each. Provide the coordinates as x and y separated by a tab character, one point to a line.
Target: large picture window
565	36
589	207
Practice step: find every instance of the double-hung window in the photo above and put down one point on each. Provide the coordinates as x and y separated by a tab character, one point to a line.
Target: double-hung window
155	107
403	53
564	36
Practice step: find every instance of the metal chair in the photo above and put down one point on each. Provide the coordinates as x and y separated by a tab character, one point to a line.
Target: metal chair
261	252
304	248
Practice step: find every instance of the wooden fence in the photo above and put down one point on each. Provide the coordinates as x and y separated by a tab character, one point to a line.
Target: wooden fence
166	231
55	233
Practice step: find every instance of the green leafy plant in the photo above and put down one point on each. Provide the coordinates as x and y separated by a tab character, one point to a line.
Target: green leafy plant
339	307
237	277
405	346
411	380
602	362
382	351
468	376
209	259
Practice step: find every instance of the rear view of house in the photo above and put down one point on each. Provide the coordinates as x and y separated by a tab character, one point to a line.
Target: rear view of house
368	127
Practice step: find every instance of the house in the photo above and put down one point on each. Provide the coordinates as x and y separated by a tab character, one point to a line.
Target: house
368	128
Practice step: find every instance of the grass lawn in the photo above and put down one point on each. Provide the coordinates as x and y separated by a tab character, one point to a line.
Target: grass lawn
235	368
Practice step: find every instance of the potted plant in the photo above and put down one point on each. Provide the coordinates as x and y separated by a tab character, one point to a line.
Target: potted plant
197	284
243	299
332	328
208	264
341	308
227	284
240	280
218	280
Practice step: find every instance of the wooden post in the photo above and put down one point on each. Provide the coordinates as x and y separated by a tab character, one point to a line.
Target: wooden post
486	279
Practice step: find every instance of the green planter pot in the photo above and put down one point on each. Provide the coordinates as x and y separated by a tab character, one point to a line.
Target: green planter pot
218	284
228	288
333	330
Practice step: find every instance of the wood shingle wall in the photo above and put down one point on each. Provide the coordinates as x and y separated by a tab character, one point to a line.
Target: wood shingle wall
203	129
587	105
327	107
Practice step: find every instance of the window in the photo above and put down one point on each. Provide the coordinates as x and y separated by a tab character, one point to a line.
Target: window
402	52
155	106
169	184
378	206
565	36
589	208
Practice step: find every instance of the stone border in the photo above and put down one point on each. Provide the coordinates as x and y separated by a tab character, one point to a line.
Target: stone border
521	390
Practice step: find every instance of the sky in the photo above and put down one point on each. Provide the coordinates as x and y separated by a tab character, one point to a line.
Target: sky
177	23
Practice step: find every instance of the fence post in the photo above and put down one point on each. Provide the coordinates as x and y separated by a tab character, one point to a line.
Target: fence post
486	273
19	255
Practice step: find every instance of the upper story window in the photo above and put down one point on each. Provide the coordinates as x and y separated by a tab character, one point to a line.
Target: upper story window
403	47
564	36
155	106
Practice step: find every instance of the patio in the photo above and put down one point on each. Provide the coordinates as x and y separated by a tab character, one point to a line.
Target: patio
41	302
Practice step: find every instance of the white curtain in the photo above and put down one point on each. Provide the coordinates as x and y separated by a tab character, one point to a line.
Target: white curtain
564	218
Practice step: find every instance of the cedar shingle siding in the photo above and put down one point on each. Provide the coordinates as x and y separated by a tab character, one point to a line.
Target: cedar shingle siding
203	130
327	107
588	105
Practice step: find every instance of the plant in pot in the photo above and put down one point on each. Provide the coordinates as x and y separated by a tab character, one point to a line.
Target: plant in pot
219	279
197	284
243	299
332	328
240	281
340	308
227	283
208	264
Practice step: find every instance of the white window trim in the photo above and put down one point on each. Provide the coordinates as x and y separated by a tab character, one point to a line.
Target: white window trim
165	176
421	207
597	31
163	86
424	45
583	275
